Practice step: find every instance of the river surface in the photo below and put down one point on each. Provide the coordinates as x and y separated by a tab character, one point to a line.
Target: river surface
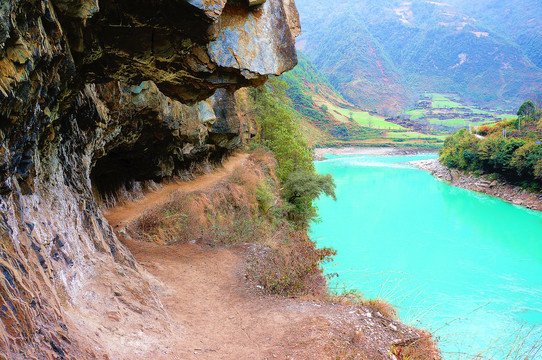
466	266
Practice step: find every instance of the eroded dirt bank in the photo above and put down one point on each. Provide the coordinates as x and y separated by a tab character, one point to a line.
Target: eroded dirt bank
483	183
215	313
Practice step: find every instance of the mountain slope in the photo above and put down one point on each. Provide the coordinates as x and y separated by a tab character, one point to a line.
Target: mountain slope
379	54
325	118
519	20
318	106
354	63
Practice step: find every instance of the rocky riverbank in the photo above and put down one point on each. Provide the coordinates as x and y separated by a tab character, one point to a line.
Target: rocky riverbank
482	183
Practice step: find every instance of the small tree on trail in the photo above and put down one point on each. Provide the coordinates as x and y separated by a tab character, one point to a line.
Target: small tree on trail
301	189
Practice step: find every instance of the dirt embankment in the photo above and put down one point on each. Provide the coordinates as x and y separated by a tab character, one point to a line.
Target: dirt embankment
482	183
216	313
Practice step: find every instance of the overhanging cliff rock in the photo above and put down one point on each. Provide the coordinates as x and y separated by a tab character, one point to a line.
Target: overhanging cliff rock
98	94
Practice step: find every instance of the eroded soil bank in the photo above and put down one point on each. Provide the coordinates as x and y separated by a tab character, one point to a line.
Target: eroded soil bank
482	183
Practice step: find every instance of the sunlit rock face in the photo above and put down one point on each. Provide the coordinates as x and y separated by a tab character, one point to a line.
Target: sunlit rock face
93	95
187	48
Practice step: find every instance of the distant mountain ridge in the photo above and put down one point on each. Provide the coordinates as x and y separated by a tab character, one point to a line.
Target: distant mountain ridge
382	55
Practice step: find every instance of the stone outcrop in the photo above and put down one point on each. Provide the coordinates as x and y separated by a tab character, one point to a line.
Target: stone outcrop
164	137
93	95
187	48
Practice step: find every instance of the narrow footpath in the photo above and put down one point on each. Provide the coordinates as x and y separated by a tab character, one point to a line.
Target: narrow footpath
216	314
130	211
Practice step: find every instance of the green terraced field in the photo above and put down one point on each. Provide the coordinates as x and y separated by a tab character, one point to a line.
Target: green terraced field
367	120
457	114
414	135
440	101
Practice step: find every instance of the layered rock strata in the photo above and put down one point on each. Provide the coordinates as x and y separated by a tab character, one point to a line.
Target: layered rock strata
94	95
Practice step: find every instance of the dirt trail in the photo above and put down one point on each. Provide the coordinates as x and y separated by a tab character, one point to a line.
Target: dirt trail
130	211
206	297
216	314
203	292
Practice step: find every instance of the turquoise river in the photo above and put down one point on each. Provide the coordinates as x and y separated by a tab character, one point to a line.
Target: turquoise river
464	265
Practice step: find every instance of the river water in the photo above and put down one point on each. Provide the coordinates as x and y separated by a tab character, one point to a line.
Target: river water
464	265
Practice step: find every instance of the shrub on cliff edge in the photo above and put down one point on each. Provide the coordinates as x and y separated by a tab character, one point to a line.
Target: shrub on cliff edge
280	134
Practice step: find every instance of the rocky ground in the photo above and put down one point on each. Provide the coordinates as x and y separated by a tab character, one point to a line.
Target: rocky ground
482	183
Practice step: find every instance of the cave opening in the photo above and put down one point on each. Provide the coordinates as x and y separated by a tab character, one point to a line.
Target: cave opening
126	170
117	170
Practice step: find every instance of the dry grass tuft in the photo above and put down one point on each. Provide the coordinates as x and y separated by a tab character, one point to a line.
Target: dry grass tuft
179	220
356	299
127	192
424	348
292	267
383	307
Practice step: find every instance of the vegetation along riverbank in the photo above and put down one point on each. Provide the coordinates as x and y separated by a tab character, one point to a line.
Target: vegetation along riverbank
503	159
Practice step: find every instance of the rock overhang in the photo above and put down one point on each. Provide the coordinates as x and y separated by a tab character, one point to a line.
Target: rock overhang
189	48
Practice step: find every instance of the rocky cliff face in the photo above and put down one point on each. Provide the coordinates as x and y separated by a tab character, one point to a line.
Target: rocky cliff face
94	95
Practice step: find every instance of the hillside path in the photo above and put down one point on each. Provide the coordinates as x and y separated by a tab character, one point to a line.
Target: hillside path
216	314
130	211
212	314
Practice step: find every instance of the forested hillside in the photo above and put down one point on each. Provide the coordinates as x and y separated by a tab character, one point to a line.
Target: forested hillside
384	54
313	101
518	20
510	149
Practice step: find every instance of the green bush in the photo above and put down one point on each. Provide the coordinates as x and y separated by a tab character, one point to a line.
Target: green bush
280	134
538	170
460	151
278	130
265	197
301	189
525	158
496	154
